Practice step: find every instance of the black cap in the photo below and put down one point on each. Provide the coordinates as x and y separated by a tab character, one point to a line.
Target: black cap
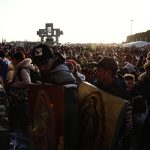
108	63
41	54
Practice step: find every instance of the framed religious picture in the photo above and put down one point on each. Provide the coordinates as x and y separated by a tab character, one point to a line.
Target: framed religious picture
46	125
101	117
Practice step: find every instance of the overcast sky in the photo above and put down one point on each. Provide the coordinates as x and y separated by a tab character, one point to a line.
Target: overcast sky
80	20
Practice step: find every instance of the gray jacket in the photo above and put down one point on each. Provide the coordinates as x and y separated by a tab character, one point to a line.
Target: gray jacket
61	75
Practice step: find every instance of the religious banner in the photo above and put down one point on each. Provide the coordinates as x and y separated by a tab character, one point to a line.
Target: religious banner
46	125
101	117
91	121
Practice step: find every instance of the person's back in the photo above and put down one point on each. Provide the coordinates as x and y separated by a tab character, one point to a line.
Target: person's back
21	77
17	92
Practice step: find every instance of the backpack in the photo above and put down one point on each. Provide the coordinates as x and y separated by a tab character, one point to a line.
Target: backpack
34	75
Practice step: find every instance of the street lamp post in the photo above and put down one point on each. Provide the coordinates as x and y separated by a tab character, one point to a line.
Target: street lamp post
131	26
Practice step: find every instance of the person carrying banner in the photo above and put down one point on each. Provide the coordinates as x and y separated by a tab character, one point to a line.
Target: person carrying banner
53	70
109	81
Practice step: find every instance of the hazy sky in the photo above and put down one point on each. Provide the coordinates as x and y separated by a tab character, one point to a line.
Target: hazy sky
80	20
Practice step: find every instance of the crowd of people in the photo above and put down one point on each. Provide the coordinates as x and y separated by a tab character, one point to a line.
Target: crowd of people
120	71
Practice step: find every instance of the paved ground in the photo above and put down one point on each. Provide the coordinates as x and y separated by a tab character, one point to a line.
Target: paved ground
4	139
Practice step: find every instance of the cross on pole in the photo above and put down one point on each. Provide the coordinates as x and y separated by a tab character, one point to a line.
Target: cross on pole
52	35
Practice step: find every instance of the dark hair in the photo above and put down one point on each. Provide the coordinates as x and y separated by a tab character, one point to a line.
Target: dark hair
18	56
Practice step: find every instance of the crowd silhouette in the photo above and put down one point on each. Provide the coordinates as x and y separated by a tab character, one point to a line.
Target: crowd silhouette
120	71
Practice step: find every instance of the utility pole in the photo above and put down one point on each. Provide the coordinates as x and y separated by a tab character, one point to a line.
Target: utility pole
131	26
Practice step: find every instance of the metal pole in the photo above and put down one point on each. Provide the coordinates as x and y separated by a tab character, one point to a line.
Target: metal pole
131	26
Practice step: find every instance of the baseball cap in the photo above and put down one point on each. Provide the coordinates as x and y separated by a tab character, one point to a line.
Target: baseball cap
108	63
130	67
41	54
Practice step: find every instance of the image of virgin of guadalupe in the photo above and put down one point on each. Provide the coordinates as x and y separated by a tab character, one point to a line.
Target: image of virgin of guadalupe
91	122
43	126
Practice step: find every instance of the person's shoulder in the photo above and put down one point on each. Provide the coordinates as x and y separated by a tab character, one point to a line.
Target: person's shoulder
120	81
61	68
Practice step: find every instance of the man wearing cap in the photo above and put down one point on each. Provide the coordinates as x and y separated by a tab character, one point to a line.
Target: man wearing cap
53	70
51	66
109	81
